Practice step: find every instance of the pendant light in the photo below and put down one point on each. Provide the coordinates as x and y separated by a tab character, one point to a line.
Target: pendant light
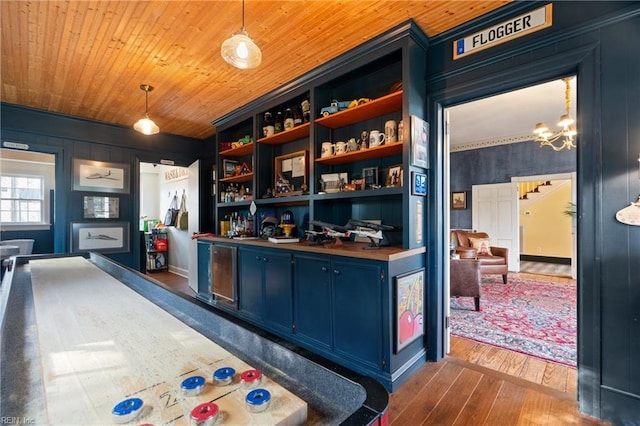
239	50
145	125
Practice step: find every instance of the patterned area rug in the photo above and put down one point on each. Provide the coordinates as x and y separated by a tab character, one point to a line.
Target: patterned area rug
534	317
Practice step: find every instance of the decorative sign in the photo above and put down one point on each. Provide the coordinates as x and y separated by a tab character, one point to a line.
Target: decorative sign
176	173
15	145
528	23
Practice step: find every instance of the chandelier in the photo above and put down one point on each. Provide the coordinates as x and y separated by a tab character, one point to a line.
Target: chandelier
239	50
145	125
546	137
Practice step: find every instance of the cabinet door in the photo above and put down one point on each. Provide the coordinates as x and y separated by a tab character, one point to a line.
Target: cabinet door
204	270
250	282
312	295
357	311
278	290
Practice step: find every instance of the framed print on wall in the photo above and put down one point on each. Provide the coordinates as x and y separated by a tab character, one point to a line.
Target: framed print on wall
409	308
419	183
95	207
103	237
100	176
419	142
458	200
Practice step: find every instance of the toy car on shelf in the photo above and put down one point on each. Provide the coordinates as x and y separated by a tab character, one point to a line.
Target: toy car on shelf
334	107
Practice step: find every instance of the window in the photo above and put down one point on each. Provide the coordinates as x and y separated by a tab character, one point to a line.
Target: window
22	199
27	181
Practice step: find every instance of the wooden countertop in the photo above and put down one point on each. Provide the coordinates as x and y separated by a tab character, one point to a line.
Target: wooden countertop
347	249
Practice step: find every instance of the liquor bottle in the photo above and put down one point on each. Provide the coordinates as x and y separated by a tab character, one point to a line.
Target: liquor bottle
288	119
279	125
297	117
306	110
268	128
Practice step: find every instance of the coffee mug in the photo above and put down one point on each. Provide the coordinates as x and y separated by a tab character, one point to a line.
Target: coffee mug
375	138
341	147
390	128
269	130
328	149
352	145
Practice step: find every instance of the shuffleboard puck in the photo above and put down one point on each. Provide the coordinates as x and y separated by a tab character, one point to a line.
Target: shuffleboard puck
223	376
127	410
204	414
192	386
258	400
251	378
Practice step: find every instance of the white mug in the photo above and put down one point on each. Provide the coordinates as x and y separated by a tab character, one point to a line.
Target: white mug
328	149
390	128
341	147
375	138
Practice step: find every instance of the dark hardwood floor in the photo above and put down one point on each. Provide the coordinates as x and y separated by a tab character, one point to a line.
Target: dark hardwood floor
476	384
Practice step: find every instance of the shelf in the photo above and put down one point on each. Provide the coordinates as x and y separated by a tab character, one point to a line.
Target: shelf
156	251
375	108
248	177
297	200
360	194
246	149
236	203
364	154
297	132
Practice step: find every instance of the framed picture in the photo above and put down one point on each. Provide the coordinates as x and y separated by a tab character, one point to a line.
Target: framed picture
370	176
394	176
419	142
459	200
104	237
291	174
229	168
409	298
95	207
100	176
418	183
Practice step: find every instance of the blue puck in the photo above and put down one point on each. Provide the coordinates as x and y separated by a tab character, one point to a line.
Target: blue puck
127	410
192	386
224	376
258	400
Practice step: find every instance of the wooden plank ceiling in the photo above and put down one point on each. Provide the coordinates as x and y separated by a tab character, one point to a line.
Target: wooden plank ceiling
88	58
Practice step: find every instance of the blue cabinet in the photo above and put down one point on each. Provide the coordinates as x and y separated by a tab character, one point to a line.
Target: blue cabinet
265	287
357	292
312	300
338	306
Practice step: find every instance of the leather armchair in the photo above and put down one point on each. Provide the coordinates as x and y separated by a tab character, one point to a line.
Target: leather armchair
465	280
496	263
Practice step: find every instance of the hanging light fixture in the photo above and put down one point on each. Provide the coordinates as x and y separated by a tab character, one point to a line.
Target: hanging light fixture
547	138
239	50
146	125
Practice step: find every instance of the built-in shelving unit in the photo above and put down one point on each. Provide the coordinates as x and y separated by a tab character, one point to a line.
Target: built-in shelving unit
376	107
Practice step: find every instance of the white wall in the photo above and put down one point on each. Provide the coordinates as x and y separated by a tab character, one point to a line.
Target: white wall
157	188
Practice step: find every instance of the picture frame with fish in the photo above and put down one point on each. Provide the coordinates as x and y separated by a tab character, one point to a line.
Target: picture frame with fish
101	176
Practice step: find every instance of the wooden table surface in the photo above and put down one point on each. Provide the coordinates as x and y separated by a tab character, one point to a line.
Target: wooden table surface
101	342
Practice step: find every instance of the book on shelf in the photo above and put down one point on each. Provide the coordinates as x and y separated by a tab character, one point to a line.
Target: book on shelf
283	239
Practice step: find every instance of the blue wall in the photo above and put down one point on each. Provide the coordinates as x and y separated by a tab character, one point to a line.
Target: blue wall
498	164
71	137
598	41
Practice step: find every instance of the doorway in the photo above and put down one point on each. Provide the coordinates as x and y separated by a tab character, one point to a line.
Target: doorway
489	141
159	185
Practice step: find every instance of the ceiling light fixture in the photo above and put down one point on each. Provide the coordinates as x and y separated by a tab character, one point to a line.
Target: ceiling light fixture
239	50
547	138
146	125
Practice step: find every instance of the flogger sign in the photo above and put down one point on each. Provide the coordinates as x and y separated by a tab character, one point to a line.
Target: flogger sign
516	27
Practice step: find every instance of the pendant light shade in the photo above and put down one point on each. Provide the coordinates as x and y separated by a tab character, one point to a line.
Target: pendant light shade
145	125
239	50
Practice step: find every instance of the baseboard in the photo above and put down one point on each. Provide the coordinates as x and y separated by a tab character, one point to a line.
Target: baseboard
179	271
546	259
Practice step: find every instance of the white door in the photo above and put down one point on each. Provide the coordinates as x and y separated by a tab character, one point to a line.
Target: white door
194	221
495	211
